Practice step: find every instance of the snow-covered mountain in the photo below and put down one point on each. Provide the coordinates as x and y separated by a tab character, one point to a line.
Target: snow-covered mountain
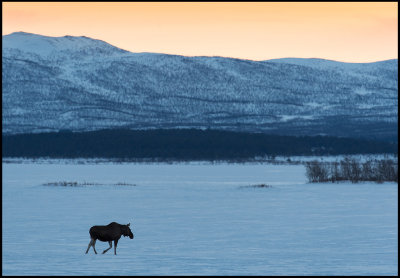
53	47
79	83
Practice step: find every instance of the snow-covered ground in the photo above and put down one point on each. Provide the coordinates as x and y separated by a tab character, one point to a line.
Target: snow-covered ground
196	219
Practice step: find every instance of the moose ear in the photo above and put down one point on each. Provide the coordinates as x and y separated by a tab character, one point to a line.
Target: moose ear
128	224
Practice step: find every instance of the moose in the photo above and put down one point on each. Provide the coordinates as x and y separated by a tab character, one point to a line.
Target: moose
110	232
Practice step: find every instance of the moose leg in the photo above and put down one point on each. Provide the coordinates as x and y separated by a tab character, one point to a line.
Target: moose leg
115	246
94	243
90	244
108	247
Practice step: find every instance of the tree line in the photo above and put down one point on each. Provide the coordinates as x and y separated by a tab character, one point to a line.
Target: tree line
181	144
352	170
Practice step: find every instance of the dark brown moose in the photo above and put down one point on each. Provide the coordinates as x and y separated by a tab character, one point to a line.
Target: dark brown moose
111	232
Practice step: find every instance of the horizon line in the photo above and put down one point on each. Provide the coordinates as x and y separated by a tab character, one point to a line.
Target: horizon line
216	56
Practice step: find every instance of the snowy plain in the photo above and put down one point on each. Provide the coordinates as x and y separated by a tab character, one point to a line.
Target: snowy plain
195	219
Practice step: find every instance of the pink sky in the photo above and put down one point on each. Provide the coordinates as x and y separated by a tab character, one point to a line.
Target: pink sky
343	31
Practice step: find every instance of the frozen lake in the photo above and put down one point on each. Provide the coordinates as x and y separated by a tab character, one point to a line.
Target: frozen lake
196	219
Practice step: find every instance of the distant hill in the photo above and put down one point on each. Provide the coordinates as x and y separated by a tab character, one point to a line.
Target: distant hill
83	84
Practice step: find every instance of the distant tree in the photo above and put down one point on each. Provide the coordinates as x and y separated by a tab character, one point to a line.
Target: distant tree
345	168
355	171
316	172
335	172
366	171
386	170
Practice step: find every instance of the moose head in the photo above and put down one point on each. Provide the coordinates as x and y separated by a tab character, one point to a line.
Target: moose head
126	231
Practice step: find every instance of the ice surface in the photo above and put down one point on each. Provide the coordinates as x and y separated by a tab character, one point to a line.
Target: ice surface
196	219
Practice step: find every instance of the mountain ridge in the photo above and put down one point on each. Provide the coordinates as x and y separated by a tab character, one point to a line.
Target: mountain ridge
281	60
98	85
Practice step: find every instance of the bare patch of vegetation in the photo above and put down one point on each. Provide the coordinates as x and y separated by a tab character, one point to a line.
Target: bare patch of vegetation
257	186
65	183
125	184
62	183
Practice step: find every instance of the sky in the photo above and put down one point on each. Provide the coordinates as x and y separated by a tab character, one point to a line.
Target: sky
342	31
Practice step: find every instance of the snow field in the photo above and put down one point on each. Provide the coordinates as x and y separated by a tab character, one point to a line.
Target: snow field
196	219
